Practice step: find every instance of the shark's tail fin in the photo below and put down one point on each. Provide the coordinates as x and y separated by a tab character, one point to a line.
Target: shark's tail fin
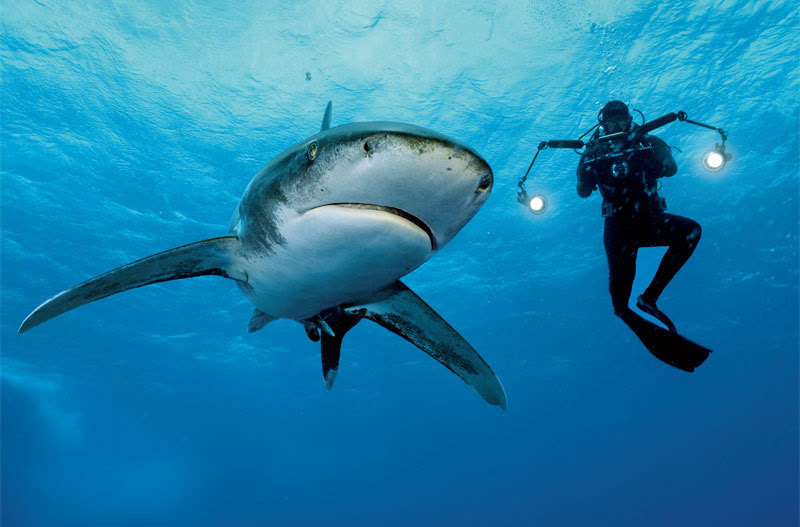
208	257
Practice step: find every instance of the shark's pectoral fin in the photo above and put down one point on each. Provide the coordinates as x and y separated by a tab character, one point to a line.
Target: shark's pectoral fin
216	256
258	320
401	311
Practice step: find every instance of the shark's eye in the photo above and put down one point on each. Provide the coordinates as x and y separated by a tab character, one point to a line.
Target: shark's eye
311	153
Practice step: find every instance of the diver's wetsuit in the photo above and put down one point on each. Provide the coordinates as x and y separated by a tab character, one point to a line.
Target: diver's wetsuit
626	173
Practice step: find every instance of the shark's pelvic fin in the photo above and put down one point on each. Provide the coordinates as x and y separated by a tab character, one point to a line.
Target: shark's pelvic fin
312	330
258	320
401	311
216	256
326	119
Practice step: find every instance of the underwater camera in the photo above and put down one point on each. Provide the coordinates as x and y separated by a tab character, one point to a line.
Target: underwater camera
713	160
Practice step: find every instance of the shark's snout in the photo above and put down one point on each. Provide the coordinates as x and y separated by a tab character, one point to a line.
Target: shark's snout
428	176
487	180
419	143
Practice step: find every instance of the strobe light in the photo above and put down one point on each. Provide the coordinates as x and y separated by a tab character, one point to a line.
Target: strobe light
715	160
536	204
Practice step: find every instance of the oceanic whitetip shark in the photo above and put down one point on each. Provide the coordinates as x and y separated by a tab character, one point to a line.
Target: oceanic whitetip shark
324	232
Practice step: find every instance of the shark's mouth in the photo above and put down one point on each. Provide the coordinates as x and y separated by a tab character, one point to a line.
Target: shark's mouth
391	210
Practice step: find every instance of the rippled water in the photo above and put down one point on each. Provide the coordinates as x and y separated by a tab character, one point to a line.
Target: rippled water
130	128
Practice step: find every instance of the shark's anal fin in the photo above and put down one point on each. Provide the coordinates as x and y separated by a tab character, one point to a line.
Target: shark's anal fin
258	320
340	323
326	119
216	256
401	311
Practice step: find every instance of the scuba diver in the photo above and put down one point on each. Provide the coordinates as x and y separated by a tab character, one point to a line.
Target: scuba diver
625	164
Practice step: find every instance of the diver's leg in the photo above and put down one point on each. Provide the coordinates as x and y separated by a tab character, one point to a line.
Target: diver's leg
621	251
622	240
681	235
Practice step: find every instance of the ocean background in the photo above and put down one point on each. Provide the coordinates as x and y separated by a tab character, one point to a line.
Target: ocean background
132	127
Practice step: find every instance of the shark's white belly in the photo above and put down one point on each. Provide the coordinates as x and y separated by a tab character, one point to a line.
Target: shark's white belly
333	255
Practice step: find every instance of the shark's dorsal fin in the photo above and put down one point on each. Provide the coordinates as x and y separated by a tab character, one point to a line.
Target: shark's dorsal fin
401	311
326	119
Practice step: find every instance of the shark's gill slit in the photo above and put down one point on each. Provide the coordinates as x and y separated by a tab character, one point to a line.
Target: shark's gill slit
391	210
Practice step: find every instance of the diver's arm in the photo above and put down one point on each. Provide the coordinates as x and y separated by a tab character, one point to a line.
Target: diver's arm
585	179
663	157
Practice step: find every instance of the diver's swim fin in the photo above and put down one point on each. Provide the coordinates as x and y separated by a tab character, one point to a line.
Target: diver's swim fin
667	346
653	311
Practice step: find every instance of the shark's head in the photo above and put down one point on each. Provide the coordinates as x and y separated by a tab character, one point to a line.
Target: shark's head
419	175
423	176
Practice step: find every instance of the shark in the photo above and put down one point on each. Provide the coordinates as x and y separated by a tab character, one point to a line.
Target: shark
323	234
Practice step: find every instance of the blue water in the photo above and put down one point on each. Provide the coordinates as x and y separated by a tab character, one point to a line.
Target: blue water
131	127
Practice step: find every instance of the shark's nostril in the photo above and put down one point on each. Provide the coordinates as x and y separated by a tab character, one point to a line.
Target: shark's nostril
486	182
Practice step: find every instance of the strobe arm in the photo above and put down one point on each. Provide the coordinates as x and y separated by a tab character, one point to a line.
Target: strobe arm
661	121
679	116
720	131
522	196
648	126
562	143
